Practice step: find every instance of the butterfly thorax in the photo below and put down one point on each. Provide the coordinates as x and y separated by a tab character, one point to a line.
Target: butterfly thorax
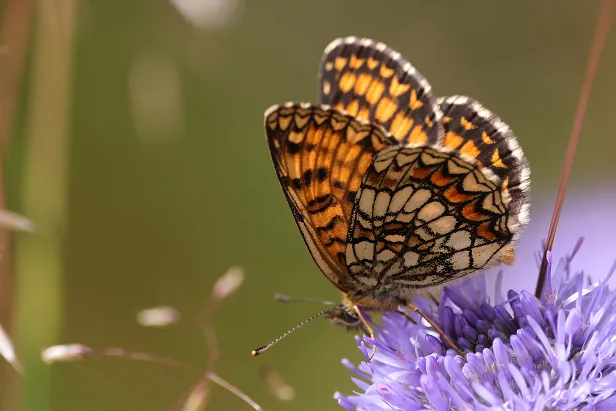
377	301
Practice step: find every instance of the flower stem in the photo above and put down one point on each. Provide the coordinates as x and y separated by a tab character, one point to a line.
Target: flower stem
602	30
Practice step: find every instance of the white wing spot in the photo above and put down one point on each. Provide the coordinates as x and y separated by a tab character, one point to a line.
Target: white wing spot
494	203
380	205
411	259
455	167
350	256
400	198
366	200
471	184
403	218
383	160
482	254
403	159
443	225
386	255
409	69
419	198
460	260
427	88
395	238
429	159
431	211
364	250
459	240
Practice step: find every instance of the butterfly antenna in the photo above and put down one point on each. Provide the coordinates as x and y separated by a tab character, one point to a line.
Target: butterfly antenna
283	298
437	329
600	38
261	350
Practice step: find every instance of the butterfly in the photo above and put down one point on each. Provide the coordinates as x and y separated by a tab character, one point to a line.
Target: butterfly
396	191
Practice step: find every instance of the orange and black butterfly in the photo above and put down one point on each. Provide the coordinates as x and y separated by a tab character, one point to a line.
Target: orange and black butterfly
394	190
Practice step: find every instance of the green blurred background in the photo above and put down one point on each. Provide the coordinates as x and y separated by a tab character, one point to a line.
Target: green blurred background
167	179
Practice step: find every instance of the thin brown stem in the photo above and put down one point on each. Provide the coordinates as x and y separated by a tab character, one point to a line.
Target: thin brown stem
140	356
602	30
232	389
211	338
14	40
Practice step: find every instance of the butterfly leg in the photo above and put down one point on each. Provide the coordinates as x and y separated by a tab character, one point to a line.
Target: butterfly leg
437	329
363	320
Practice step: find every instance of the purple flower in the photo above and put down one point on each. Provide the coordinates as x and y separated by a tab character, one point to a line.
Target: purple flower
597	227
521	353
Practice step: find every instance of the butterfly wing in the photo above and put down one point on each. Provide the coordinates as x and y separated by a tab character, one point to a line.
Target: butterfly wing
475	131
369	80
425	216
320	156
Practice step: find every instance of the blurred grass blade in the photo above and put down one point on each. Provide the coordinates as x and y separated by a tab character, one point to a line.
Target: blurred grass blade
39	258
15	35
197	397
15	222
8	352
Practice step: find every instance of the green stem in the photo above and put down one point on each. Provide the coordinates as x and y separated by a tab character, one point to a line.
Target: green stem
39	264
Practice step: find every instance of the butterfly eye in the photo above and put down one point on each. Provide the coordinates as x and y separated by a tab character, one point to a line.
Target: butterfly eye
343	318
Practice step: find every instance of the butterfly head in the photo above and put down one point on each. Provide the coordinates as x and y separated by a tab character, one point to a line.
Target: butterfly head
344	317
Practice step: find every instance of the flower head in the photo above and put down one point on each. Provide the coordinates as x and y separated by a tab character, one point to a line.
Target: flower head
522	353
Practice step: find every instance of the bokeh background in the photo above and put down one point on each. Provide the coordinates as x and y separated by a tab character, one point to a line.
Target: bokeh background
136	145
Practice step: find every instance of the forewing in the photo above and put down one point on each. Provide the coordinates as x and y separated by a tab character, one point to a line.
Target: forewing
476	132
320	156
425	216
369	80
